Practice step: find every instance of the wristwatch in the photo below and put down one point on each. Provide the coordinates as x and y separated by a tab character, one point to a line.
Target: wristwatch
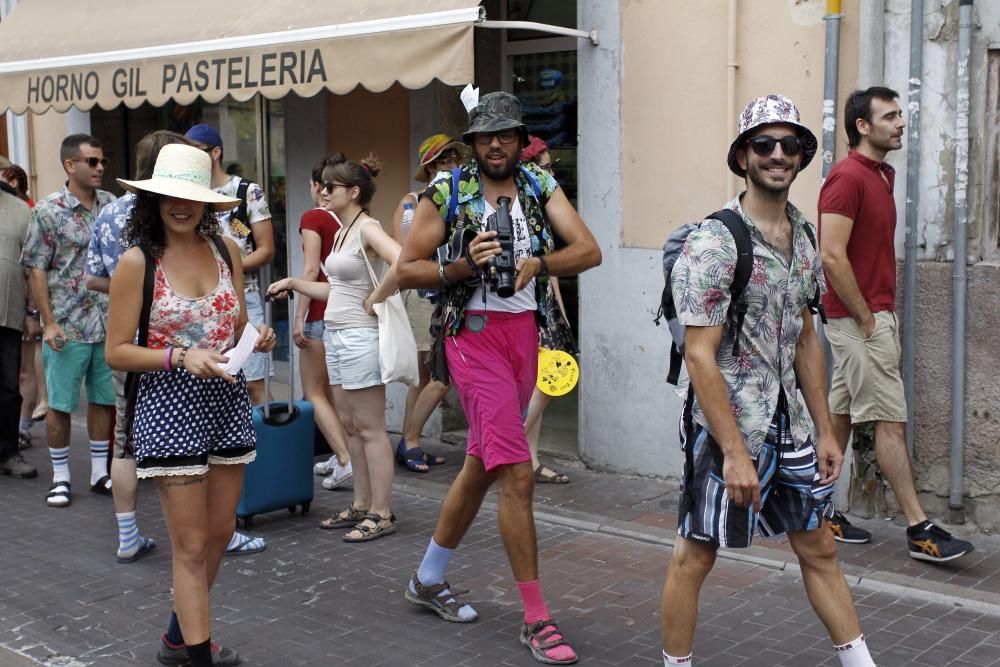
543	268
31	313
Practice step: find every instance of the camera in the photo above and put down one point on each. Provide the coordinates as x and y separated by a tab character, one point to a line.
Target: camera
500	268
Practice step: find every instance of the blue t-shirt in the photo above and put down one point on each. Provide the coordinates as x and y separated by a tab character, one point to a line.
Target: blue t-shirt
106	242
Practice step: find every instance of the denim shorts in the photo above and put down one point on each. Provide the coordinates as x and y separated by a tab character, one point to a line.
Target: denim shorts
314	330
254	367
352	357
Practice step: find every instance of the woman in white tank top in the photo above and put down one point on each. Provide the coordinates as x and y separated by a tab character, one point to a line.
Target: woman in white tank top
351	341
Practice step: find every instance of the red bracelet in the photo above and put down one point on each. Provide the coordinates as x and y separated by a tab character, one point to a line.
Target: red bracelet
166	358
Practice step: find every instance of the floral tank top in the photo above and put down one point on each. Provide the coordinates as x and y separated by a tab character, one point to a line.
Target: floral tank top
207	321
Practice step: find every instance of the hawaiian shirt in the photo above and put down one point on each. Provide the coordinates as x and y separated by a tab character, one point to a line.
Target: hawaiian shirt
472	204
58	237
777	293
239	230
106	242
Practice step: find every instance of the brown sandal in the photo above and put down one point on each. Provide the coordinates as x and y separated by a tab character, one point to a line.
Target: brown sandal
372	527
346	519
554	478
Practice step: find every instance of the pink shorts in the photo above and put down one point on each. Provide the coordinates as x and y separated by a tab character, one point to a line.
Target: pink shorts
494	372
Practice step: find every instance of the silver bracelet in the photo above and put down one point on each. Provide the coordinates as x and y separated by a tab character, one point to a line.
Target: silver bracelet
444	280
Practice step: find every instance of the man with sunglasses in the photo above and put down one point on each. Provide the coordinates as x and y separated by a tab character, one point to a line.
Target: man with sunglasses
255	238
752	462
491	345
55	251
857	214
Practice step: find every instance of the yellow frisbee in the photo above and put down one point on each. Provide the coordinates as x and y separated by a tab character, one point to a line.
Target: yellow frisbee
558	372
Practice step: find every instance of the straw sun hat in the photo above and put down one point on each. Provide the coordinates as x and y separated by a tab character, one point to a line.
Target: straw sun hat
184	172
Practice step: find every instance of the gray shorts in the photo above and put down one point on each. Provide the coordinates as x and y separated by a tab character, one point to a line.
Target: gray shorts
118	378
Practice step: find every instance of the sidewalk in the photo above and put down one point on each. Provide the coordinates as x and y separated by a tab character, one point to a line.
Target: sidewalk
645	509
312	599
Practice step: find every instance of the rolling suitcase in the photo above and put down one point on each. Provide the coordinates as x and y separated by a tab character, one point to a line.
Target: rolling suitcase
282	475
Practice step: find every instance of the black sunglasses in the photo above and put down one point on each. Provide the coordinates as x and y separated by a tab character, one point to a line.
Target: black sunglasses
505	137
764	145
92	162
329	186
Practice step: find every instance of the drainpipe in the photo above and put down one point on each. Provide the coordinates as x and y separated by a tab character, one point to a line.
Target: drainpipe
831	72
731	66
912	211
955	501
871	44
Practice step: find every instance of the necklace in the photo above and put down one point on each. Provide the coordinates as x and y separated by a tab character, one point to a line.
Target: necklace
345	232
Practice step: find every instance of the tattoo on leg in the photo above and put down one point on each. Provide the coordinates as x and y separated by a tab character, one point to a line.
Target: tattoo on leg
164	485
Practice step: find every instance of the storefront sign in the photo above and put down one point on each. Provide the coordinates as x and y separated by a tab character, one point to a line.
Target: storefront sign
171	79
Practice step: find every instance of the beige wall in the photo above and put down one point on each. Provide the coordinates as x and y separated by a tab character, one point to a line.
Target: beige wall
675	123
47	132
363	122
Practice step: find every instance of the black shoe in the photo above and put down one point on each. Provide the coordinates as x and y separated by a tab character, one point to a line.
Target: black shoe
843	531
177	656
930	543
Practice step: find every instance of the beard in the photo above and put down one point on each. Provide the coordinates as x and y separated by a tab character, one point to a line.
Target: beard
501	173
757	173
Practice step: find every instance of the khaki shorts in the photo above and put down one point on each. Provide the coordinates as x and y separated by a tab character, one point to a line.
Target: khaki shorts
866	381
419	312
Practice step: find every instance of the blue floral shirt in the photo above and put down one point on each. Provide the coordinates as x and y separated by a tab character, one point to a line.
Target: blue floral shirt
106	242
777	293
58	238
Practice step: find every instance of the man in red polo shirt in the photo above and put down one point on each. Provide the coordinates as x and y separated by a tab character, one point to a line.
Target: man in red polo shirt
857	215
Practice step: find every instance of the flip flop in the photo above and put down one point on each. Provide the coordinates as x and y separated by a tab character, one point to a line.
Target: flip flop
413	458
102	486
145	547
245	545
554	478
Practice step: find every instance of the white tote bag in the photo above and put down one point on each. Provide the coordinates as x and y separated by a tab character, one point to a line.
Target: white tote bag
397	350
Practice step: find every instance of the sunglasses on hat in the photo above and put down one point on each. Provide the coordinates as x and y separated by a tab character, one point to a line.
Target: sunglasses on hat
764	145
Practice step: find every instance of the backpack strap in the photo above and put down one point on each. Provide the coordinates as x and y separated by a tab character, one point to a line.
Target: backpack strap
220	245
815	303
132	378
241	210
744	267
453	201
535	187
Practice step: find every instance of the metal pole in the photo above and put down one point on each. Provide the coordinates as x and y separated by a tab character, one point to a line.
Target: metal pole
912	210
955	501
830	75
731	66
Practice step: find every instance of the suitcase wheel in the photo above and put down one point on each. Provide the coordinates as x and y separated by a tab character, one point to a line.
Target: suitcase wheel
247	522
305	508
292	508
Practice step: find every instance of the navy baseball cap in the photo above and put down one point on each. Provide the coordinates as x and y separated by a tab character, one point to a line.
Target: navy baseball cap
204	134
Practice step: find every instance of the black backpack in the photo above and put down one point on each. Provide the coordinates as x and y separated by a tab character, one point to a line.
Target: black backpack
741	276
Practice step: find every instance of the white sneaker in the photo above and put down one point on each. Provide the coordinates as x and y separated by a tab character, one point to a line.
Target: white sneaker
340	475
324	468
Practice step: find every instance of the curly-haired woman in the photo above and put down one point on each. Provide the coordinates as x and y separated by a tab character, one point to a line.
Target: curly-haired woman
191	428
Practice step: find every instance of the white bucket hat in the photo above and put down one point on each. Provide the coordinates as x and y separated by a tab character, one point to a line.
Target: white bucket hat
771	109
184	172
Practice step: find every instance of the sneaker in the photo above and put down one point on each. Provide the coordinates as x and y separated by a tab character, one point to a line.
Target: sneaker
177	656
324	468
339	475
17	467
930	543
844	532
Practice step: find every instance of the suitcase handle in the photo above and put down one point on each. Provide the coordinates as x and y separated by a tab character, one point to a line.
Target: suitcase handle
289	416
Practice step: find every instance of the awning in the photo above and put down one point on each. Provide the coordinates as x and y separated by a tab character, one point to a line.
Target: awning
58	54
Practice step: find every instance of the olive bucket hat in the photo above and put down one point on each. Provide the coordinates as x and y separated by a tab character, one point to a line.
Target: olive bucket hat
496	112
771	109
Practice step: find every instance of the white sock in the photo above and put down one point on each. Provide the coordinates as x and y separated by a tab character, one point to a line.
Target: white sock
671	660
98	460
60	464
854	653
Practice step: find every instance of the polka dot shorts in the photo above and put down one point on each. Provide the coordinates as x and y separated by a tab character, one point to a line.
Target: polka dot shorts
183	424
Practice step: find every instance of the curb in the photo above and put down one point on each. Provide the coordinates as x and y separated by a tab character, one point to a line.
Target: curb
882	582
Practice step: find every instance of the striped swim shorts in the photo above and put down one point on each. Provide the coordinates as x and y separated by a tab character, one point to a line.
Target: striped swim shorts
791	497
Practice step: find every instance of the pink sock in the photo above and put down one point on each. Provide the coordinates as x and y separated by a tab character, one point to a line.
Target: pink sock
534	611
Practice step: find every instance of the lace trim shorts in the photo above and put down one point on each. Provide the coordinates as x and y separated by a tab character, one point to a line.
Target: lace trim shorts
184	424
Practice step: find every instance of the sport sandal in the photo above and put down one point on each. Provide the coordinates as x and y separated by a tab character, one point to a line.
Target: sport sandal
441	598
348	518
372	527
542	638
